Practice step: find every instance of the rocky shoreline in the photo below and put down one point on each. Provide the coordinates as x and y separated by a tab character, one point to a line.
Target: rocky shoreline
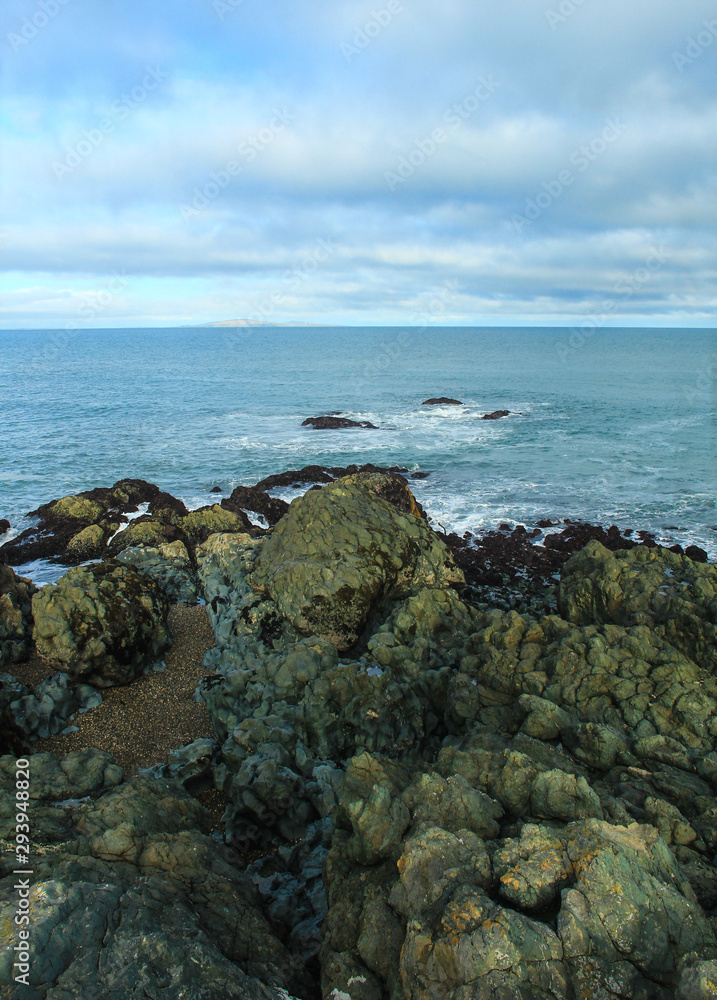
449	767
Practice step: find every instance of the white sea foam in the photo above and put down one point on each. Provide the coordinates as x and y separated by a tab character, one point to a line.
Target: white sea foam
142	508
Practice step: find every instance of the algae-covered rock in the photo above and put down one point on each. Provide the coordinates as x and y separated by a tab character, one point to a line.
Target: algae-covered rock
103	623
15	616
169	565
341	552
667	591
198	525
86	544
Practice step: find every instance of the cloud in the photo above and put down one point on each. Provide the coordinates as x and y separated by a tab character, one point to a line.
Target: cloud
203	154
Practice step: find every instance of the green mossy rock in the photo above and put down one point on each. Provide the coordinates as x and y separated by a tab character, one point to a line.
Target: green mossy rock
200	524
78	508
103	624
655	587
86	544
342	552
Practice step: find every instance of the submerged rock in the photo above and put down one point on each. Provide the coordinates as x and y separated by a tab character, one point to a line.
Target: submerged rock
103	623
342	552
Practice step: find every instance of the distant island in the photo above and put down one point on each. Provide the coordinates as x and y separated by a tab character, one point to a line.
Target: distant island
251	322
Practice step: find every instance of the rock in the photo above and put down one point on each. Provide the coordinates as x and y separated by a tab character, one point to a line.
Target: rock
442	401
246	498
696	554
609	901
191	761
216	489
65	522
169	565
697	979
496	415
371	805
556	795
200	524
136	892
340	553
145	532
327	423
46	711
4	525
15	616
104	624
670	593
86	544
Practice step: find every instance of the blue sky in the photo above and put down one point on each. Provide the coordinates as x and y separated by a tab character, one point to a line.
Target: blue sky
400	162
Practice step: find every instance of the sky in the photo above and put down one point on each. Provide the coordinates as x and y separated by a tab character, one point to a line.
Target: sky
395	162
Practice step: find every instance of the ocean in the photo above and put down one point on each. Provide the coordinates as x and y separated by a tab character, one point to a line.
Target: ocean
616	426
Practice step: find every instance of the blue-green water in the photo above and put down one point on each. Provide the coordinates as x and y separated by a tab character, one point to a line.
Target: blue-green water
617	427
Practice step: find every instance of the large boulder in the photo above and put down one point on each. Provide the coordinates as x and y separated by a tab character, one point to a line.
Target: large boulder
342	552
667	591
104	623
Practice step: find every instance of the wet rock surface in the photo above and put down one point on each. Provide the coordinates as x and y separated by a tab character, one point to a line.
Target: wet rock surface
332	423
496	415
426	796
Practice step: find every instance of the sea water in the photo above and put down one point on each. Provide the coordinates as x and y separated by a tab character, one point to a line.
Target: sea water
613	427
